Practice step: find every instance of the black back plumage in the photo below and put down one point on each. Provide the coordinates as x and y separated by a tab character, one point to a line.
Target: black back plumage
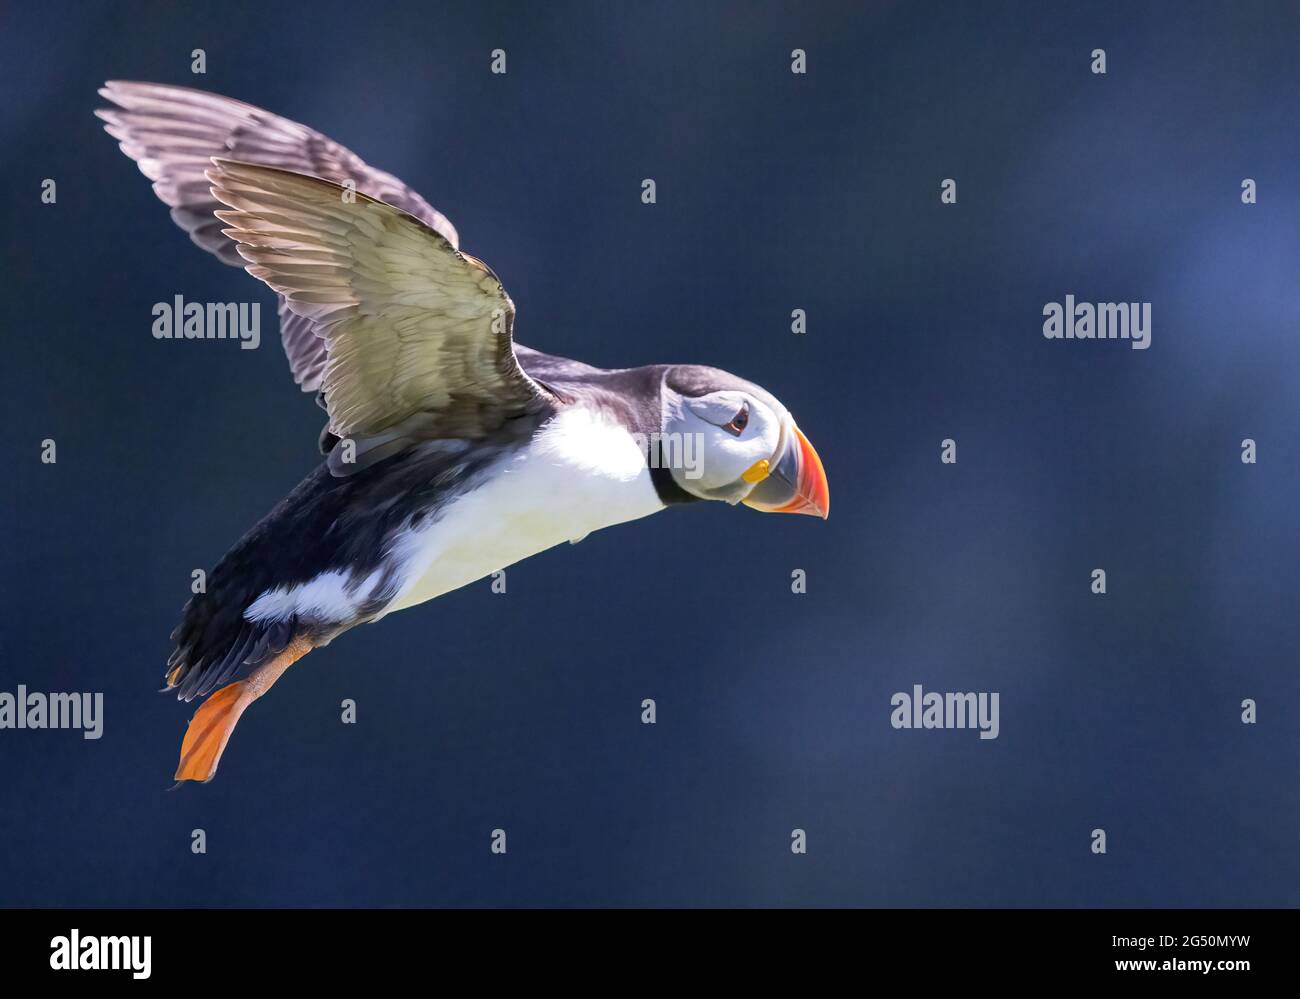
326	523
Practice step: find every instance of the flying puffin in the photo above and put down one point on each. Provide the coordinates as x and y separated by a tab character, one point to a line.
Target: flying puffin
450	451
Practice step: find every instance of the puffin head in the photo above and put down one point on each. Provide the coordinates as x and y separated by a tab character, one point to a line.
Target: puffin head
745	445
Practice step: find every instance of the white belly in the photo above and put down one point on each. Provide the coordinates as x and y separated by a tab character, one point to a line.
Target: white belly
579	474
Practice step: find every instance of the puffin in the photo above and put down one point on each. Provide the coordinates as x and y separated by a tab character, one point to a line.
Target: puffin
450	451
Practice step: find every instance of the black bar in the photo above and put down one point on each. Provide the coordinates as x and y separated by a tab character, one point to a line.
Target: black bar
333	948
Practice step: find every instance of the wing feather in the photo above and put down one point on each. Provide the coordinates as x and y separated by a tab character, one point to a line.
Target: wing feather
413	329
174	132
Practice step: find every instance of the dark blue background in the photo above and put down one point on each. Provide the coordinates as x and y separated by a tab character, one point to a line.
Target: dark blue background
776	192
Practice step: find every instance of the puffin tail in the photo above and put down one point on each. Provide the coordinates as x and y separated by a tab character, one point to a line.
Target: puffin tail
209	730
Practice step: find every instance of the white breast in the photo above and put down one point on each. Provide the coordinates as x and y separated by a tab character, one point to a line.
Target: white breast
581	472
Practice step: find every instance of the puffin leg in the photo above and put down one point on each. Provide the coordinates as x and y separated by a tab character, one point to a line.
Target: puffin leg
209	730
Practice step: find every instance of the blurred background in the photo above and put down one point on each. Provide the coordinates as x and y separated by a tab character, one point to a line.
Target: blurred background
775	192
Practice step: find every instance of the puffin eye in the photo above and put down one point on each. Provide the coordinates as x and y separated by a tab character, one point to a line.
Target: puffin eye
738	422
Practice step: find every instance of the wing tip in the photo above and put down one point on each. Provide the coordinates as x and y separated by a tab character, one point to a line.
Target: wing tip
115	90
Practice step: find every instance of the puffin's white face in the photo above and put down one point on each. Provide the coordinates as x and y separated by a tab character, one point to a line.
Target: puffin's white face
746	448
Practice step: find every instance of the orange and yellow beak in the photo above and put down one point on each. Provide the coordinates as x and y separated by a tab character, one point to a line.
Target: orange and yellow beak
793	481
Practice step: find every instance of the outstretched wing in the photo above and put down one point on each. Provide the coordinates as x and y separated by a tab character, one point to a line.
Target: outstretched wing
417	334
174	132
